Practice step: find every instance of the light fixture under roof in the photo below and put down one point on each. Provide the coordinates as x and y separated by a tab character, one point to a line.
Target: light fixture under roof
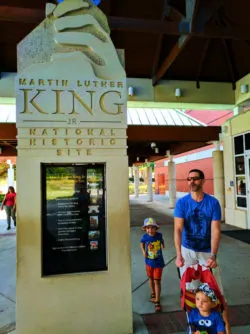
244	88
178	92
131	91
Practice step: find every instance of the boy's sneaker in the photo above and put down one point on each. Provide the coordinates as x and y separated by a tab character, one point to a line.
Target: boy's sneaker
8	228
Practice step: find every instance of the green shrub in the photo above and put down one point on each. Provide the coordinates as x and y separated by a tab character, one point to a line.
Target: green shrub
4	169
143	188
131	189
1	197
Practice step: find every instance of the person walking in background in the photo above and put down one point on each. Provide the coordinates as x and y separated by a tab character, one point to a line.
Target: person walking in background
9	203
151	245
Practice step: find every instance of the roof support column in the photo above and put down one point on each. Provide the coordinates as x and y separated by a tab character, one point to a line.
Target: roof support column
136	180
218	172
149	184
171	182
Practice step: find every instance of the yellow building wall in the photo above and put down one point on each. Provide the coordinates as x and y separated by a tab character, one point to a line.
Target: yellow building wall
210	95
236	125
240	123
209	92
241	97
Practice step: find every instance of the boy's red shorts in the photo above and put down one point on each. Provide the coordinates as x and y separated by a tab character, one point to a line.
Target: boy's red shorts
154	273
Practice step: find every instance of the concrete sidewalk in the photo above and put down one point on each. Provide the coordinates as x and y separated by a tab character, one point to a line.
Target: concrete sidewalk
7	276
234	259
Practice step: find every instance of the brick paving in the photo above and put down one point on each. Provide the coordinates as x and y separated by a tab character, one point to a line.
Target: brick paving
173	322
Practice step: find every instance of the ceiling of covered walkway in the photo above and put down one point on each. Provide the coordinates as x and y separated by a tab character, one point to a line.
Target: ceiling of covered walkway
195	40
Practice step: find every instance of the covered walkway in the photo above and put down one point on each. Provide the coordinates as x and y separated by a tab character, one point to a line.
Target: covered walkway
171	130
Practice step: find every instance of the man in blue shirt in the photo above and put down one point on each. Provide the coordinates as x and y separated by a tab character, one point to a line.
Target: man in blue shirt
197	219
196	225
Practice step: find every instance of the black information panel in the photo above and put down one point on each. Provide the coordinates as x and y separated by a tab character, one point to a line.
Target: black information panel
73	218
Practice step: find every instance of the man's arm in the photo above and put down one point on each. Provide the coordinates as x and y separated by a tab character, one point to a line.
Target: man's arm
215	240
215	236
178	226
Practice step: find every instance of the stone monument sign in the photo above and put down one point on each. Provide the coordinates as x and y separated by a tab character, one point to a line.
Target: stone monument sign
73	240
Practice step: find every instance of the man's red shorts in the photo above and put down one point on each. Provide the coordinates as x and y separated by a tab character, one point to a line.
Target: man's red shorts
154	273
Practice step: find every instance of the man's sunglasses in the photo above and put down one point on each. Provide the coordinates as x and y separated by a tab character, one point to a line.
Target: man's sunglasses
194	178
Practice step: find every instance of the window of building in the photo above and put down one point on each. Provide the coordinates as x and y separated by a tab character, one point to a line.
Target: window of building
241	144
238	145
247	141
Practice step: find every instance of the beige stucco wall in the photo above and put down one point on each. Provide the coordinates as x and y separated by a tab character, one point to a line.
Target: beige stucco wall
97	302
236	217
234	126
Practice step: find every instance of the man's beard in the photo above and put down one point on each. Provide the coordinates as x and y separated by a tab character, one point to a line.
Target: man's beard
195	187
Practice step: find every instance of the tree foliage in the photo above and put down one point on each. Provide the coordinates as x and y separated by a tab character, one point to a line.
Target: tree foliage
4	169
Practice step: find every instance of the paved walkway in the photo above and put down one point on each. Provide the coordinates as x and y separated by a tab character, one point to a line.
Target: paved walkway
7	277
234	258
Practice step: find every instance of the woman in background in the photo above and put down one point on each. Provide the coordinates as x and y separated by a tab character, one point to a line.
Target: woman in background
9	203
